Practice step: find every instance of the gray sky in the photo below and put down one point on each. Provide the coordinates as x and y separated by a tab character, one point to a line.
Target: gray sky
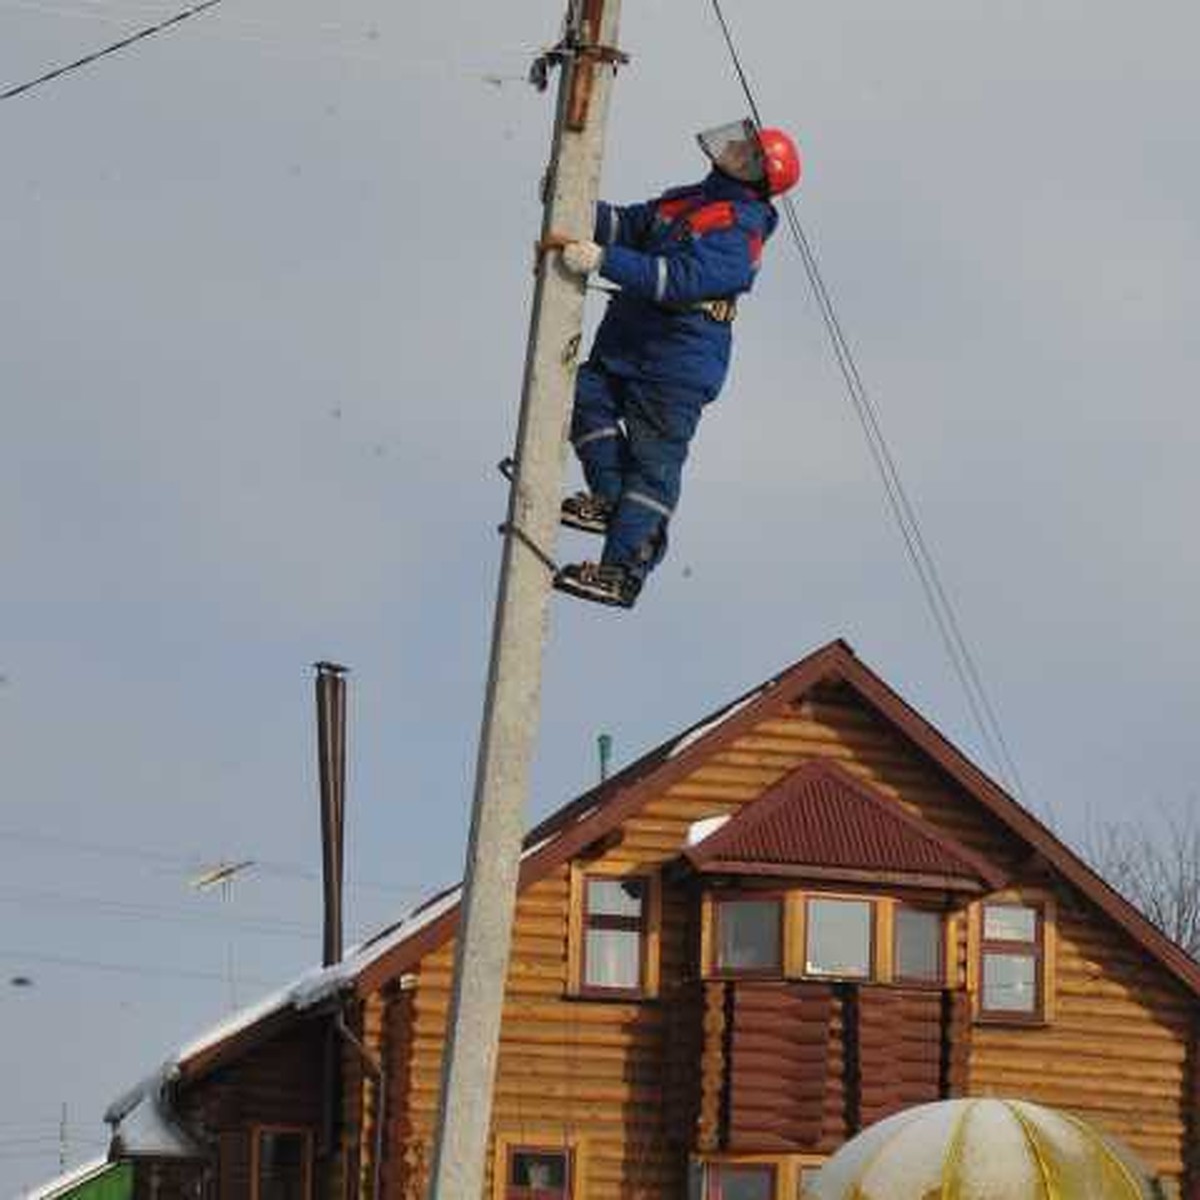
266	285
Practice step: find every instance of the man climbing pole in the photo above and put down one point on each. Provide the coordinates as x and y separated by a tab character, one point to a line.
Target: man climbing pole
662	350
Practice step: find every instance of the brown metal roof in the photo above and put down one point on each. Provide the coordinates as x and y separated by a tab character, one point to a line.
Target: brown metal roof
821	817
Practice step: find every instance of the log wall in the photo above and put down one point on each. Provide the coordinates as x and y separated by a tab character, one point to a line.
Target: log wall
899	1037
280	1083
777	1048
571	1072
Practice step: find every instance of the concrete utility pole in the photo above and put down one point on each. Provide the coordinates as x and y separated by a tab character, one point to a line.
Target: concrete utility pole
512	704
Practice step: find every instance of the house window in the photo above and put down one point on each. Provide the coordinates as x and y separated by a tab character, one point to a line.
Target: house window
614	926
838	938
749	936
537	1173
805	1175
917	946
281	1164
739	1181
1011	961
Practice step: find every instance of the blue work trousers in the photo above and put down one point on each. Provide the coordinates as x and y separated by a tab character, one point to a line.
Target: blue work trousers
632	440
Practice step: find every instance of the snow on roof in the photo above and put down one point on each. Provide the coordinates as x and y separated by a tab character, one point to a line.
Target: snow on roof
146	1128
140	1116
704	827
364	955
68	1180
424	914
690	738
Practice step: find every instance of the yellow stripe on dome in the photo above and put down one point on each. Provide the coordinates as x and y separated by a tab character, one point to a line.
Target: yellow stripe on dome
1045	1166
1135	1189
953	1158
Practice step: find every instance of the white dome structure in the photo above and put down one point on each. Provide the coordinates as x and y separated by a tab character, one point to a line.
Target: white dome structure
982	1150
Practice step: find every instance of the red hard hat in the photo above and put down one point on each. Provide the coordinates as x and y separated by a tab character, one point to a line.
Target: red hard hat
781	160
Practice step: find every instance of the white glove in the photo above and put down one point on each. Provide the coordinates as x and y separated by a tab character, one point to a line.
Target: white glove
582	258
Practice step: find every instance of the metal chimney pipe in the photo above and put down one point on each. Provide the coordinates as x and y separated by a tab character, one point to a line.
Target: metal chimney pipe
331	766
604	745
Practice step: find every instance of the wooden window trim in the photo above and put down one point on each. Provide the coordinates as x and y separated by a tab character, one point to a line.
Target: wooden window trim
540	1141
1039	950
716	900
256	1131
713	1167
639	925
787	1168
939	981
651	931
873	905
512	1191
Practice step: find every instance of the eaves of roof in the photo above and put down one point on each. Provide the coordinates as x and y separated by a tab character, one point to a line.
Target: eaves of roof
959	769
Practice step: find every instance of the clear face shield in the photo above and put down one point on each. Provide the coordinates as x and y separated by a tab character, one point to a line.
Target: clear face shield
734	150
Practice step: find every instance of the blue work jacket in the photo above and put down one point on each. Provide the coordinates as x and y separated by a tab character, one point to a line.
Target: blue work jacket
702	242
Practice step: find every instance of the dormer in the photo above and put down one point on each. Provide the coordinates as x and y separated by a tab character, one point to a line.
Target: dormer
822	877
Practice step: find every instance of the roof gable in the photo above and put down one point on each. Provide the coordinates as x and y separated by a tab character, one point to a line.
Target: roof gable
820	821
597	813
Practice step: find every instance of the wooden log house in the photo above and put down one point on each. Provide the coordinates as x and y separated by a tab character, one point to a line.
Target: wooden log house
803	914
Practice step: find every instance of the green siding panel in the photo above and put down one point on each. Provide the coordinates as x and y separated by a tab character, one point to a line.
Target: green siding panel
113	1183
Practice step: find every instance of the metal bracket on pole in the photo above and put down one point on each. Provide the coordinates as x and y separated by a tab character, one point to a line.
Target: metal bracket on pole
508	468
585	55
508	527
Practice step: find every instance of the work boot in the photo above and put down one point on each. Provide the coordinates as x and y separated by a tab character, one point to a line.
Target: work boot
587	512
603	583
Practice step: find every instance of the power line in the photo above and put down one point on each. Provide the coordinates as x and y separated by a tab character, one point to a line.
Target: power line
18	1128
149	31
107	10
53	1140
89	964
283	869
942	610
340	40
262	926
131	910
49	1151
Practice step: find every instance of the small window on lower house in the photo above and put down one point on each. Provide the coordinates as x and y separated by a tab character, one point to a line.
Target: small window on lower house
536	1173
805	1176
739	1181
918	946
281	1169
1011	961
614	927
838	939
749	936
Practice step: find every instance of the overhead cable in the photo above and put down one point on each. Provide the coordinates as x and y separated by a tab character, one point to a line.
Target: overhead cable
961	658
89	964
176	862
95	906
87	59
344	41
